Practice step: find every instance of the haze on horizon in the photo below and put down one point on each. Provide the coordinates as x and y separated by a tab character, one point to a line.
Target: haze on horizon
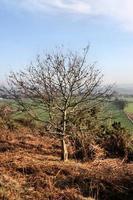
30	27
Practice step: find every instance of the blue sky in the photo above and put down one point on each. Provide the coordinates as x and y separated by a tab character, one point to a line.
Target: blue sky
31	27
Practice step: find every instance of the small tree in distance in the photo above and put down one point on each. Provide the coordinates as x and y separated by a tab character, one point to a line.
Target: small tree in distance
64	86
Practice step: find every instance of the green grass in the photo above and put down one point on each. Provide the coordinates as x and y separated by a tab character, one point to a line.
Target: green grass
111	110
129	107
119	116
38	110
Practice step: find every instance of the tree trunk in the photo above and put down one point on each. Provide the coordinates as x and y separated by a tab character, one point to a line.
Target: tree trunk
64	155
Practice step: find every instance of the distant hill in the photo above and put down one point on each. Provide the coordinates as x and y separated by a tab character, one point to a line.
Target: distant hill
124	89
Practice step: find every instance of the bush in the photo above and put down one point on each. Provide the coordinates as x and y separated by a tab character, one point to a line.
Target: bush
27	123
6	119
117	142
104	142
86	148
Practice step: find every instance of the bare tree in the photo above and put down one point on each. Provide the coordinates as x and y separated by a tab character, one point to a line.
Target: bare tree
64	86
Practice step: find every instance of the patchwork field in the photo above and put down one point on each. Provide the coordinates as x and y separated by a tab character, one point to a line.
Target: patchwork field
124	116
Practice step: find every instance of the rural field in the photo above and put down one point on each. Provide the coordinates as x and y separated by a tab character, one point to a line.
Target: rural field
129	109
124	116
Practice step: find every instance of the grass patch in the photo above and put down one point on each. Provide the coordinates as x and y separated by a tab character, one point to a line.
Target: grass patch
129	107
119	116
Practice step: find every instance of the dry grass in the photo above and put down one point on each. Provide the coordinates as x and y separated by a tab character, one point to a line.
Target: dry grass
31	169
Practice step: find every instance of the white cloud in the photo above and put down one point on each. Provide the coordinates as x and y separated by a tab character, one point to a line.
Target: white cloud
119	10
71	6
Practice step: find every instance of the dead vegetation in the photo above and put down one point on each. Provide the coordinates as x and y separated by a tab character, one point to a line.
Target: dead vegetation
31	169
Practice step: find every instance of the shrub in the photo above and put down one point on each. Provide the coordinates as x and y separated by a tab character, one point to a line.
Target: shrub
6	119
116	141
86	148
30	123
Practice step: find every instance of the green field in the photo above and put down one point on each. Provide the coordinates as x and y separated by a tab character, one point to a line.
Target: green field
129	107
120	115
111	110
38	110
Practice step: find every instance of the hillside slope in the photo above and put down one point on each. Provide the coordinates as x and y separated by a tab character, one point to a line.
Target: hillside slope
31	169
